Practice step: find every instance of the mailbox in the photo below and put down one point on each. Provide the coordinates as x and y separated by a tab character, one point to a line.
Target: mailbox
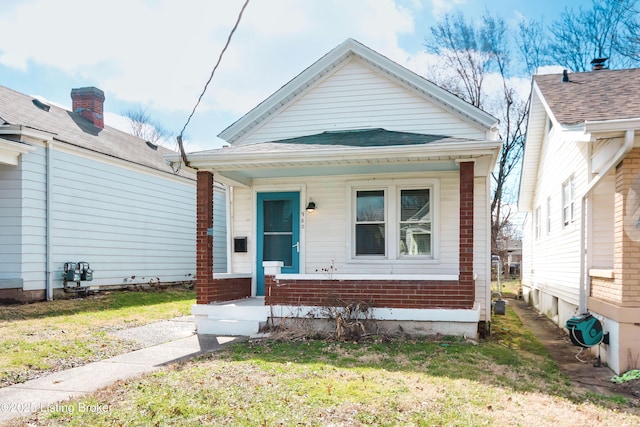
71	272
86	273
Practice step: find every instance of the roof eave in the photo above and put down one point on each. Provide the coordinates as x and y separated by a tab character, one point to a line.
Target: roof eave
221	161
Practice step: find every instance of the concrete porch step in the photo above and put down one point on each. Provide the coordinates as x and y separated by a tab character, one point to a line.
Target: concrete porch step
242	317
229	327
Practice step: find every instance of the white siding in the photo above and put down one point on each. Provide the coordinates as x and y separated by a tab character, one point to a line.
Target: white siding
603	203
552	261
33	246
242	211
219	230
123	222
10	221
355	97
481	246
325	231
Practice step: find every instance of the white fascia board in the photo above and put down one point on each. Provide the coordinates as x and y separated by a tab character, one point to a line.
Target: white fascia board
328	62
25	132
618	125
10	151
224	161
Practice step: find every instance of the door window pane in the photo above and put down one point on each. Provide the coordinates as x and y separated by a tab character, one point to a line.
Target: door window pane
278	231
278	247
278	215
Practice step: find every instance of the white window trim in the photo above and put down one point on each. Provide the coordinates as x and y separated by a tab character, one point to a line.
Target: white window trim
570	203
392	189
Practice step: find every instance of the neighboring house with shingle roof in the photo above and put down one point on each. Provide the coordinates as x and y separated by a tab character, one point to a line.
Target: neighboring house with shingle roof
580	185
357	181
74	190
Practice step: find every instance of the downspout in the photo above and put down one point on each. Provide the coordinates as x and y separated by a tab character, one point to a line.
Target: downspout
48	246
584	274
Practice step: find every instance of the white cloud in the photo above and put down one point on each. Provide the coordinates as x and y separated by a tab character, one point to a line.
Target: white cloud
161	53
440	7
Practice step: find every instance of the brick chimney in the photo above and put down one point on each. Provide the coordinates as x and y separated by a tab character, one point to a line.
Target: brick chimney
89	103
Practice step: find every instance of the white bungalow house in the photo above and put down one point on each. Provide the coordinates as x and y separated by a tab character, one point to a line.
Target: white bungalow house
580	186
357	181
73	190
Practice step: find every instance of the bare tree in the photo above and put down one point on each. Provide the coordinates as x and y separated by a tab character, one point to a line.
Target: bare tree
146	128
609	29
473	54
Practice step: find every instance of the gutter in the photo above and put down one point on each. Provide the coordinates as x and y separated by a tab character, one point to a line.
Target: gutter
617	158
48	246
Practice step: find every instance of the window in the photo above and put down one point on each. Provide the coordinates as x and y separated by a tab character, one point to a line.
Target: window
415	222
393	219
548	215
370	223
568	208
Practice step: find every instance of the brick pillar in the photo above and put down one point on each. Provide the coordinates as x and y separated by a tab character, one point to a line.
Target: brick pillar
626	288
204	242
466	231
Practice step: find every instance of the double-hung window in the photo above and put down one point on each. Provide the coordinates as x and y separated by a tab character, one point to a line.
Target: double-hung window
393	220
415	222
568	202
370	232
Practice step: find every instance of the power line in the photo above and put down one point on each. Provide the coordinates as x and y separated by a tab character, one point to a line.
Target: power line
224	49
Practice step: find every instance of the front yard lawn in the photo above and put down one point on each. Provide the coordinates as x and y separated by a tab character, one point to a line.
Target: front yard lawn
49	336
509	379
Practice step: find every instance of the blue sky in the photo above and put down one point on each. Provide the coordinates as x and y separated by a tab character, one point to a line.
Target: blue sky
158	54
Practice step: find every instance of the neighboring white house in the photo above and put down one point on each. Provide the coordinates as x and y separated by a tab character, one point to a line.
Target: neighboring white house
74	190
356	181
580	186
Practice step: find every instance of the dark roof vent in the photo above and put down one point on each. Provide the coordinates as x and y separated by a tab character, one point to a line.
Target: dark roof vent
151	145
41	105
599	64
565	76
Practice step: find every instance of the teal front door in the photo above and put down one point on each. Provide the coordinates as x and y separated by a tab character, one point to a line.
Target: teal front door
278	234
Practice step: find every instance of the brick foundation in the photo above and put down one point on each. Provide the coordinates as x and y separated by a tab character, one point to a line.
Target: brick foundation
378	293
225	289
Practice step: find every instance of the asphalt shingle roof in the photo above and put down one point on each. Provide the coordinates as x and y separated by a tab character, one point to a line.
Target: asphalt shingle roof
357	138
593	96
19	109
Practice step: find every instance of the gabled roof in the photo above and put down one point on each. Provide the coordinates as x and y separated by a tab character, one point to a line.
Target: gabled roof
592	96
24	111
602	99
324	66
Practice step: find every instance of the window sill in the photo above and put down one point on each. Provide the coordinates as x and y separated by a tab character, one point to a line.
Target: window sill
601	273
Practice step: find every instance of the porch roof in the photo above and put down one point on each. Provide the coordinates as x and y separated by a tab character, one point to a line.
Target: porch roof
363	151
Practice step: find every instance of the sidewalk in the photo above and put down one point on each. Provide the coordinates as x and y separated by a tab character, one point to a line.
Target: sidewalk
181	344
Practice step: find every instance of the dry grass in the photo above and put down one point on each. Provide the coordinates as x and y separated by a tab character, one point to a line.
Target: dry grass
49	336
507	380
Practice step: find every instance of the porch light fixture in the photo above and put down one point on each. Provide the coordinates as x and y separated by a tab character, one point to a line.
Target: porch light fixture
311	206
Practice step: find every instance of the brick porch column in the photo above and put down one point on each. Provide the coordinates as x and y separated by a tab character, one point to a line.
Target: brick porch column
204	242
466	233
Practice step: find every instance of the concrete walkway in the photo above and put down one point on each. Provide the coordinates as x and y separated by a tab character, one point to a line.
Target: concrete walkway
557	342
45	392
